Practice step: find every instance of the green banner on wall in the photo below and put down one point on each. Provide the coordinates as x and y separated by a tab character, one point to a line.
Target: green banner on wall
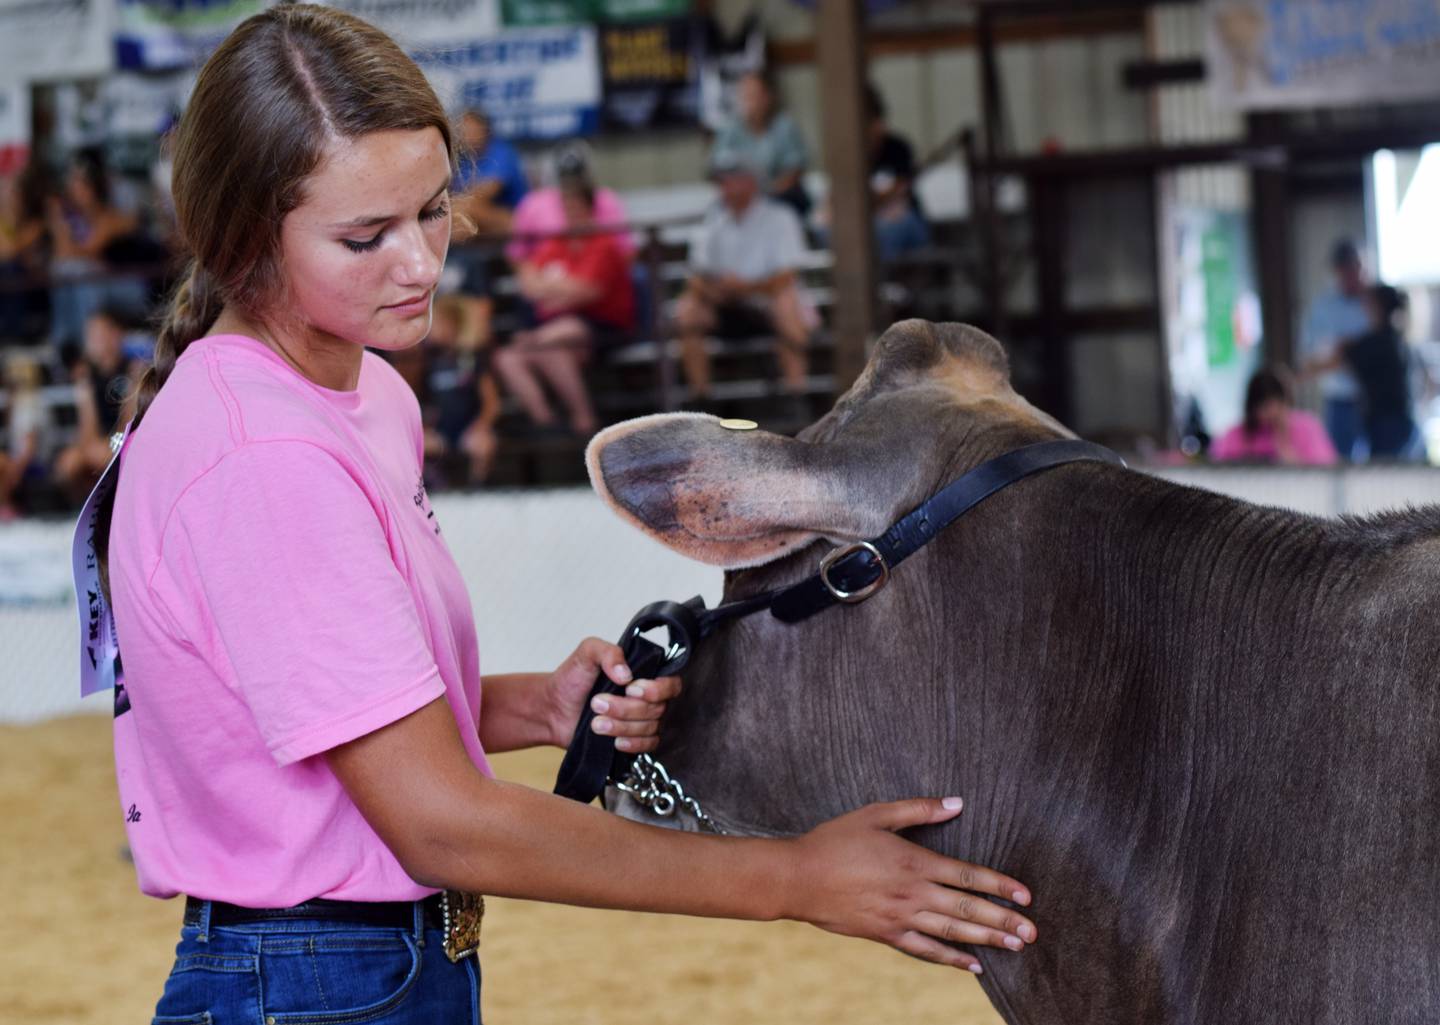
1217	265
517	13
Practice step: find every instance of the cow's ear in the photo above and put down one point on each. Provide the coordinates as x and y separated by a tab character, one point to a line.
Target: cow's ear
730	498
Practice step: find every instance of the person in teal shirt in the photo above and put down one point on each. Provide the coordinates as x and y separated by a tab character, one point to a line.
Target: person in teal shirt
766	138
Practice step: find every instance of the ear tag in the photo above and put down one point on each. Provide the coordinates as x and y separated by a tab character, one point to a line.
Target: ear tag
739	425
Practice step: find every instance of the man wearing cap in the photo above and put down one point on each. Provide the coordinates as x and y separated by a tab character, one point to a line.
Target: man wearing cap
744	280
1335	317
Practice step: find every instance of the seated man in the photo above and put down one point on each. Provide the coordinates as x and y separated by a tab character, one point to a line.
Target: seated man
744	281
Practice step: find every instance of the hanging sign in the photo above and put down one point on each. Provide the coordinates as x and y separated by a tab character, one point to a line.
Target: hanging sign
1267	55
541	83
55	39
652	73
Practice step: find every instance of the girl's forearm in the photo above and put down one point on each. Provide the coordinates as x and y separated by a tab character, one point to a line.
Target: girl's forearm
516	712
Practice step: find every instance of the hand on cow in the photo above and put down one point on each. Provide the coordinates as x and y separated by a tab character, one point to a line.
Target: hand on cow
855	877
633	718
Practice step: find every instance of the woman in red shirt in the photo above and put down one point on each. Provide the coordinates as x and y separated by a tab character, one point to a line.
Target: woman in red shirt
584	298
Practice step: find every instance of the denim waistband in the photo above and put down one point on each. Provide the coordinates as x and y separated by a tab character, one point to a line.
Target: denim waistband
409	915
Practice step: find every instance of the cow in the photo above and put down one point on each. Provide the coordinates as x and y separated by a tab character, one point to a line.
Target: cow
1205	733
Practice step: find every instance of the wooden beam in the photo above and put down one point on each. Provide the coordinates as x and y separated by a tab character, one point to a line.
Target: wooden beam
847	162
1039	28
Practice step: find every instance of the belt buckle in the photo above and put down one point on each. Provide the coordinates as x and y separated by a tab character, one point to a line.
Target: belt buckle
461	914
860	594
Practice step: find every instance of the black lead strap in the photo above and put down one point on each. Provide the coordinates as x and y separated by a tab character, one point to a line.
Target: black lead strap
849	574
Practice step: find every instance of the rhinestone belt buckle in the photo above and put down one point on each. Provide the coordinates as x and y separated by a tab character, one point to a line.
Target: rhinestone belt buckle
462	913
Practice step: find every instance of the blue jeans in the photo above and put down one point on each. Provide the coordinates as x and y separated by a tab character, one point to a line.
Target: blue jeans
308	972
1345	424
895	238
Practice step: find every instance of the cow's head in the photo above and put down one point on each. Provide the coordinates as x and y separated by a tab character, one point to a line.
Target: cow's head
934	401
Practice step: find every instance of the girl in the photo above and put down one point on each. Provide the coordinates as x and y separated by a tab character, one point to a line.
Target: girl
300	739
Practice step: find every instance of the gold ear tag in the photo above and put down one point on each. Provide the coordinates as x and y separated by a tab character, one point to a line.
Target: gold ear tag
739	425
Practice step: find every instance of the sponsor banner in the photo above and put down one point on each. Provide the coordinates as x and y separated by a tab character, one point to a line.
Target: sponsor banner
541	83
523	13
162	35
1269	55
44	40
652	73
14	126
417	23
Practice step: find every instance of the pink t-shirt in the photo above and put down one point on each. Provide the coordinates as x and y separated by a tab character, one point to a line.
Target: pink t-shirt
543	211
280	586
1308	441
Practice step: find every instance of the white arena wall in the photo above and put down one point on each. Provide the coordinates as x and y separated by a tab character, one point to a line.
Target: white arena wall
546	568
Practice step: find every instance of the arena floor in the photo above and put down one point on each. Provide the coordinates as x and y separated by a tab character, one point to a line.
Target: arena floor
83	947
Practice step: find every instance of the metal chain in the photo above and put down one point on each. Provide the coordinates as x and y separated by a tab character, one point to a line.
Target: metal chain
653	789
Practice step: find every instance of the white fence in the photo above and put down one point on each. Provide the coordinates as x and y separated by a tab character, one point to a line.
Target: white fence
546	569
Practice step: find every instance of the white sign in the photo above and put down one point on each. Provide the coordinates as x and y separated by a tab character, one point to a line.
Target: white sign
535	83
417	23
1267	55
54	39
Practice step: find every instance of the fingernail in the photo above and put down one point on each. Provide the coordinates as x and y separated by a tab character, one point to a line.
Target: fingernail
1020	897
602	725
600	706
977	969
635	690
952	804
622	674
1013	942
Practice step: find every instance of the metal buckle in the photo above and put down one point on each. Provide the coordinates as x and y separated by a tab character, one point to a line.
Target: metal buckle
461	914
852	597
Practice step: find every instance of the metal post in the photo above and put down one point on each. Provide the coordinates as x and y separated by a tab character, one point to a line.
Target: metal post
665	365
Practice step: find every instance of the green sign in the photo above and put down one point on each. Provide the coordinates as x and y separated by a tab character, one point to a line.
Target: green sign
1217	267
522	13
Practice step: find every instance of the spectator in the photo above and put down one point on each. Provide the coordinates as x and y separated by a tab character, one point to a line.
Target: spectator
743	280
899	223
104	380
542	211
1380	361
22	243
28	432
584	299
767	139
1336	315
1273	431
489	181
461	399
83	224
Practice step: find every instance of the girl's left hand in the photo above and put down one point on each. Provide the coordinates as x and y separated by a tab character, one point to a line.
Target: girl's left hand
633	718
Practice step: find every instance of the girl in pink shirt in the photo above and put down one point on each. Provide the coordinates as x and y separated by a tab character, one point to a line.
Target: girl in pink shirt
300	741
1273	431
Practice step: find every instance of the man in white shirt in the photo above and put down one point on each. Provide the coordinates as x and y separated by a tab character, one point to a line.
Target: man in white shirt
1337	316
744	279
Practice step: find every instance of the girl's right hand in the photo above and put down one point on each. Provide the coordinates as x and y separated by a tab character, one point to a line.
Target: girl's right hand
855	877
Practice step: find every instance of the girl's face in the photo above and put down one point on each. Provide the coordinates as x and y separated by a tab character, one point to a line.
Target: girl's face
362	253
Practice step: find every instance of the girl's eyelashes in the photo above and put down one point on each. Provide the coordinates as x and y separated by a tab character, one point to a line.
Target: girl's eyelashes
433	214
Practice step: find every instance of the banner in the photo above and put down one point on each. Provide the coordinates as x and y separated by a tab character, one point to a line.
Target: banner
652	73
14	126
55	39
417	23
1266	55
533	83
529	13
162	35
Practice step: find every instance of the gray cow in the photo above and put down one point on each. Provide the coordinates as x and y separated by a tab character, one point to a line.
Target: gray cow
1206	734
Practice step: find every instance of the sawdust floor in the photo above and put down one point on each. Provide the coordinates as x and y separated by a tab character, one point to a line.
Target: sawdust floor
79	944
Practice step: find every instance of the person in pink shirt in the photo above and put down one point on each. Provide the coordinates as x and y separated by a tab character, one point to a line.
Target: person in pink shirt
1273	430
542	212
302	733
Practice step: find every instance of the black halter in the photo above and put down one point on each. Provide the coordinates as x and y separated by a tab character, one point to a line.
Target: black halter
848	575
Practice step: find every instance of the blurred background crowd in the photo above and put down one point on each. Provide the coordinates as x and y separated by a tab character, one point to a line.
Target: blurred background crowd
1135	284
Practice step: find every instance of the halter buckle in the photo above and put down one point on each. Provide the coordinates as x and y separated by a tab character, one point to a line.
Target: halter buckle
854	597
